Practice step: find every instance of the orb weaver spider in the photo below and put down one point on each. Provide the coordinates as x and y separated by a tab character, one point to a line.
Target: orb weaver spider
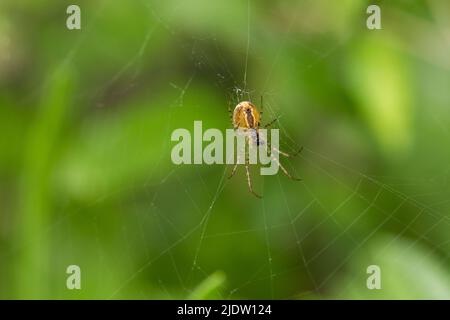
247	117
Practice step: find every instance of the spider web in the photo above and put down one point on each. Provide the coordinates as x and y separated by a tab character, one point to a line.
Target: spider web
286	222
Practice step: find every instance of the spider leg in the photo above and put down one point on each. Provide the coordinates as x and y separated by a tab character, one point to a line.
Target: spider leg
262	107
233	171
236	165
249	180
281	166
285	171
271	122
288	155
230	112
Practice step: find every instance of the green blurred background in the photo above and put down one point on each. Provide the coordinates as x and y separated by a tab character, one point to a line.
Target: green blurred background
86	176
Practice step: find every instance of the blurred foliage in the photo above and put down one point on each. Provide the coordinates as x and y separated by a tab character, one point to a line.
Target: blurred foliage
86	176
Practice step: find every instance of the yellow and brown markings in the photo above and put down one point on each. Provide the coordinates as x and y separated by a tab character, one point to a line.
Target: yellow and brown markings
246	116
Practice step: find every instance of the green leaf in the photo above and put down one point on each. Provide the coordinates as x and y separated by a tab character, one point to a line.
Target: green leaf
209	288
380	84
408	271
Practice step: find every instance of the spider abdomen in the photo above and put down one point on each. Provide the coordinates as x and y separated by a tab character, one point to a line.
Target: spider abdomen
246	116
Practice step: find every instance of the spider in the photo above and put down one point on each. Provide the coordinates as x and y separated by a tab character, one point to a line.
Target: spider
247	117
